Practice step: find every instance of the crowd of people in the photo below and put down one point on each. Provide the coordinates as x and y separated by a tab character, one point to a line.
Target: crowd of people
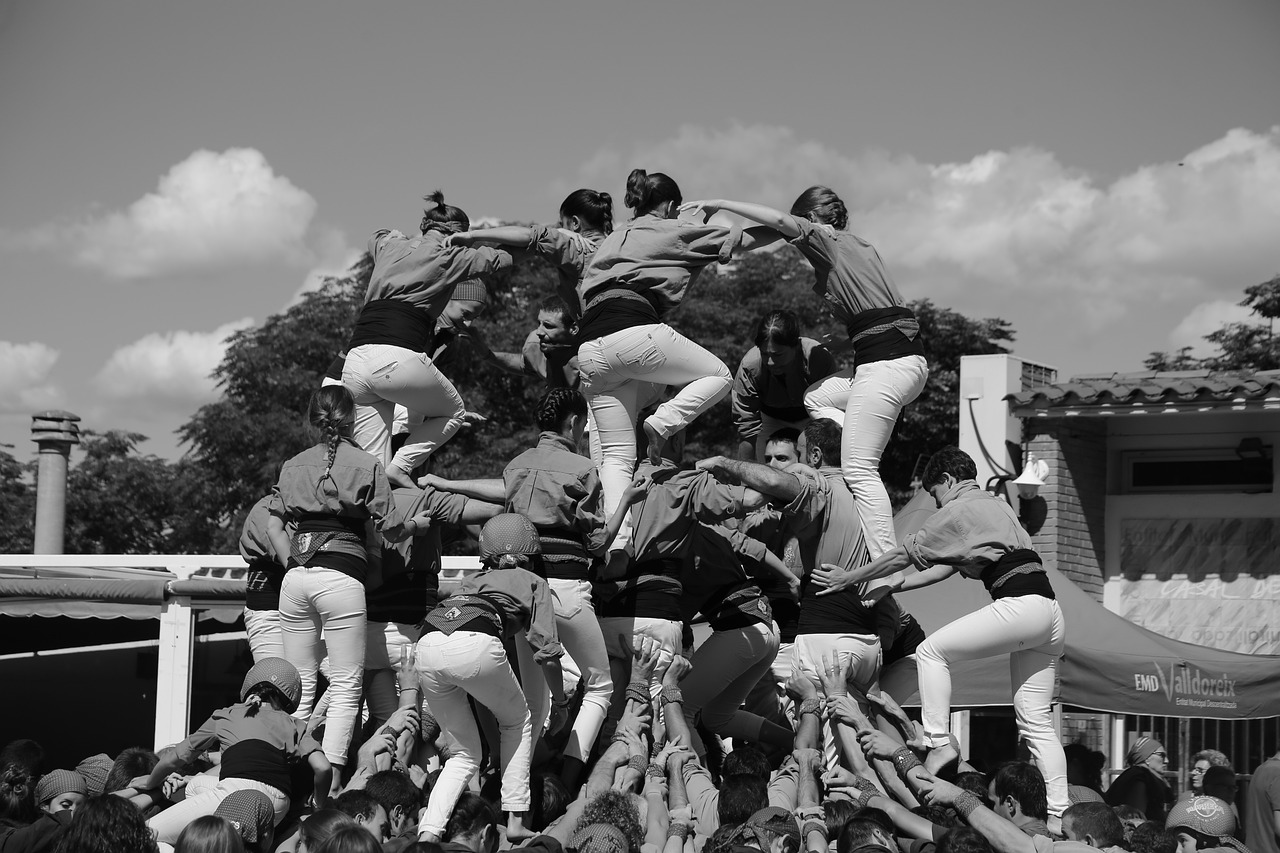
655	655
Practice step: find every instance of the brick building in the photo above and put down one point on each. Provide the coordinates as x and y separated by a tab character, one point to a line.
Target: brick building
1159	501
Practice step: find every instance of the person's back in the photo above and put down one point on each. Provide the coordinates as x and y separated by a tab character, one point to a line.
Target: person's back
1262	808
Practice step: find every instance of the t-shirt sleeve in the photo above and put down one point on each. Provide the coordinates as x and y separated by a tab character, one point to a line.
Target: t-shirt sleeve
468	263
199	740
714	501
941	540
711	243
376	241
744	398
808	506
816	242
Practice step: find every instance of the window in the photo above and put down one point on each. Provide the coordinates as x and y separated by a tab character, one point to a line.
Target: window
1194	470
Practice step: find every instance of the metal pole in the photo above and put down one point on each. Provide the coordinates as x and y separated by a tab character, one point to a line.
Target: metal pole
54	433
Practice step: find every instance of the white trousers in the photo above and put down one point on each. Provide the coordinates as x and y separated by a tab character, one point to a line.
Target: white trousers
262	627
580	634
385	644
618	372
205	792
379	376
1028	628
315	600
453	667
866	401
860	652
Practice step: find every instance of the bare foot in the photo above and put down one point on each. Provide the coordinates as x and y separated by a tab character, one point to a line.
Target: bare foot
939	757
656	443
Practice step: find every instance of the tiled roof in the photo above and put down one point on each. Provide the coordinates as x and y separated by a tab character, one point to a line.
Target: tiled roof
1191	390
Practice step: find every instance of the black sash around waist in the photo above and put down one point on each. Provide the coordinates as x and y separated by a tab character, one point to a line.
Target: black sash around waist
394	323
1018	572
564	554
466	612
883	334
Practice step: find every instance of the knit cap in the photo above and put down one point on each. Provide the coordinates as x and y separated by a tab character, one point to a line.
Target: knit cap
250	812
57	782
1143	748
280	674
599	838
95	769
474	290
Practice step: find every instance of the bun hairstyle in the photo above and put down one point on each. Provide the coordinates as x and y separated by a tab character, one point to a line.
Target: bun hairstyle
645	192
780	327
443	217
557	406
593	208
332	413
821	204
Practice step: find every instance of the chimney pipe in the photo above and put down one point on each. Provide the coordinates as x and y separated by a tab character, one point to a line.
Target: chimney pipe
54	433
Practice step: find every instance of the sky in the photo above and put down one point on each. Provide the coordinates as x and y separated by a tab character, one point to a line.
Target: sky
1104	175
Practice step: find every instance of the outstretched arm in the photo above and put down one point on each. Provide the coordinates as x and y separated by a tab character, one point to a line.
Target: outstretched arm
837	578
783	223
515	236
753	475
491	490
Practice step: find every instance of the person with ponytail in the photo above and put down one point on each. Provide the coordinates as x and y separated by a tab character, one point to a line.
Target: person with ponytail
558	490
640	274
258	740
388	359
327	493
889	369
769	387
586	218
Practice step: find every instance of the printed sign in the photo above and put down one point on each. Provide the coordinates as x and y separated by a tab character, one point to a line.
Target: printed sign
1209	581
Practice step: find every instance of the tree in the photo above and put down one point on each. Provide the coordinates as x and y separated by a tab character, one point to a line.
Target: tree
119	501
18	497
269	373
1240	346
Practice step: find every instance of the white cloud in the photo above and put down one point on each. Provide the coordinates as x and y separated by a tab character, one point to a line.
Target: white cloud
1011	227
212	210
1205	318
24	377
167	368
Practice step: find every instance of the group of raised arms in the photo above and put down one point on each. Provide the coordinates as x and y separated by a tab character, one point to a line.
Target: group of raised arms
654	653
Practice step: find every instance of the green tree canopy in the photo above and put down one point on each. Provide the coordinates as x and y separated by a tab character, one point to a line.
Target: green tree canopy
1238	346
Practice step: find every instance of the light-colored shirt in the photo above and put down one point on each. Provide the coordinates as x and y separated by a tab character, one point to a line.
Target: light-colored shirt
658	258
973	529
555	487
849	272
780	395
422	271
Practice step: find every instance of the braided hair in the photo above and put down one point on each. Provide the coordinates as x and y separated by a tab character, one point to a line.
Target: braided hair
331	414
443	217
821	204
557	406
593	208
645	192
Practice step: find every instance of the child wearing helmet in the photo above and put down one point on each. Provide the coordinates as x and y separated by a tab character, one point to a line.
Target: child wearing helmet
1202	822
258	739
461	655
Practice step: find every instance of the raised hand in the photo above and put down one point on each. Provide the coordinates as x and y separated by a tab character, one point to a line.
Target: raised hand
833	672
